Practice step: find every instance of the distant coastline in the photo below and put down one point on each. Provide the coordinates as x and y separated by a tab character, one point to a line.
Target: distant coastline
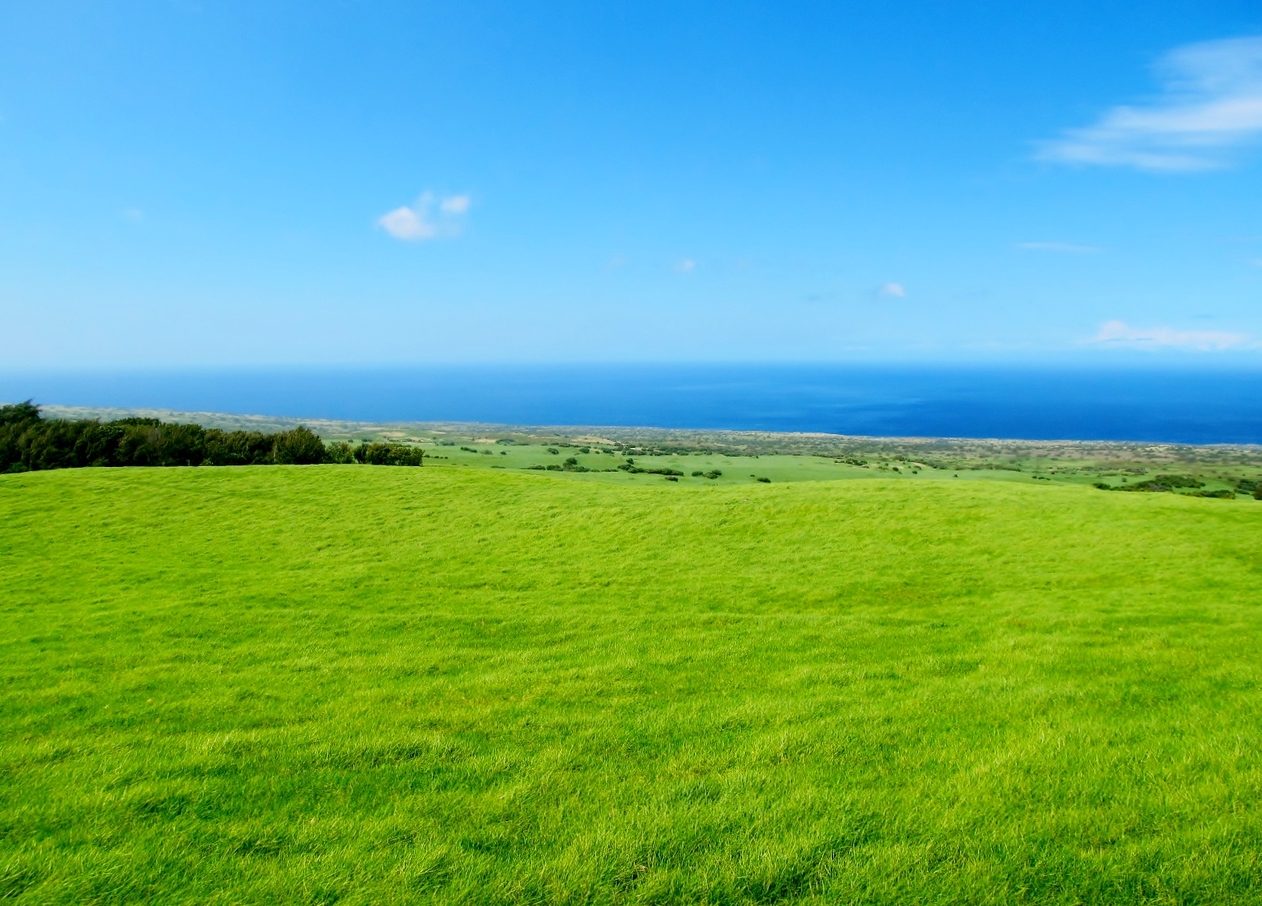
1028	404
734	442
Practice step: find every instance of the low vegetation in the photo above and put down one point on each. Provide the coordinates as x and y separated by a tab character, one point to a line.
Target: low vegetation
29	442
333	684
728	457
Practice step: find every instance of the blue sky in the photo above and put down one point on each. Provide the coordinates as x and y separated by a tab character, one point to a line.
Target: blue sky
371	182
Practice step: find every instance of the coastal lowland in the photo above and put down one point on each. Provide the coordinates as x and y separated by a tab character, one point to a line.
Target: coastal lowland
602	665
725	457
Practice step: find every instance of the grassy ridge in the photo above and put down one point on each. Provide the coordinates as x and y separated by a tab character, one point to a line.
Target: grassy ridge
339	684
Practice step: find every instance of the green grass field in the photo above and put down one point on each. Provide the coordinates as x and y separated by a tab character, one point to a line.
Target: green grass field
372	685
748	469
734	469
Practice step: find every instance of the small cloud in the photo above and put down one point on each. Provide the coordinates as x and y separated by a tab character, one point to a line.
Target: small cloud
456	204
135	215
1071	248
1210	103
418	222
1118	333
616	261
892	291
407	223
686	266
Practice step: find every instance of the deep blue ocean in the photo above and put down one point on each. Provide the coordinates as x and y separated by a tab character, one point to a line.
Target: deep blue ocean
1183	406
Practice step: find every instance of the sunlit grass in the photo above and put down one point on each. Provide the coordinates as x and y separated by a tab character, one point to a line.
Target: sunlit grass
376	685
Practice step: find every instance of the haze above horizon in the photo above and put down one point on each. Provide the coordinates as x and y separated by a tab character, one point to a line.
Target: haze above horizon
341	183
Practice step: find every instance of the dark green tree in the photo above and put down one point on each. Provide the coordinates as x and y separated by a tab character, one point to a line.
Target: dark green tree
19	413
298	447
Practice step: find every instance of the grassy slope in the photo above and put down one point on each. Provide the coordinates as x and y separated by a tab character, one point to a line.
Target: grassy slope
374	685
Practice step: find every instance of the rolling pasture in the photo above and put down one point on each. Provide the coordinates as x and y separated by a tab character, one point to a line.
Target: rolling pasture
374	685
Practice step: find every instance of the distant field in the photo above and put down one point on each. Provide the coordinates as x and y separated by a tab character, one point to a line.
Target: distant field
721	468
374	685
743	457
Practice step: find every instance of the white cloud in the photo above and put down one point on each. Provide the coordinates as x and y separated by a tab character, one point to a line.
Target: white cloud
1068	247
892	291
1210	103
1117	333
456	204
407	223
135	215
418	222
687	266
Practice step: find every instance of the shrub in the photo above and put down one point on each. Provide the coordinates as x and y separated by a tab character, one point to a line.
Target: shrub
765	480
144	444
30	442
408	456
240	448
1178	481
339	452
301	446
383	453
19	413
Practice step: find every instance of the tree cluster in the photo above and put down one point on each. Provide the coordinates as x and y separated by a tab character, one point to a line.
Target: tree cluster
29	442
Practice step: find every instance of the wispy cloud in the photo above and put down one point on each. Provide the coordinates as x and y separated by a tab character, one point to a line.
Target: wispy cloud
427	218
1118	333
455	204
1071	248
892	291
1210	103
686	266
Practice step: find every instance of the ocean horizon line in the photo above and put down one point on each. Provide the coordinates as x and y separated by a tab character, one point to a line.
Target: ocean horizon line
1031	403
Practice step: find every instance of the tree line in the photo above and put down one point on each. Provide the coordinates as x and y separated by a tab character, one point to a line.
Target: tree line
30	442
